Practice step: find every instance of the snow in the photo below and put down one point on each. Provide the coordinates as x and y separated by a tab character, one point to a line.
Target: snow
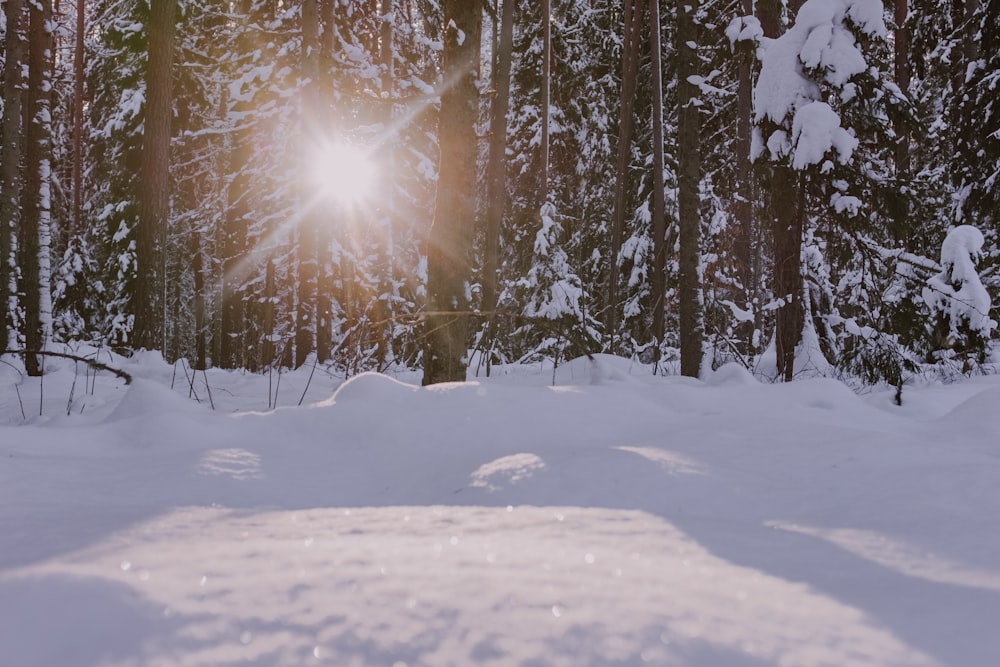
819	47
957	290
816	130
611	518
744	28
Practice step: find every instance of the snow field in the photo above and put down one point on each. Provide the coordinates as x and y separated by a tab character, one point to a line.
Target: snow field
614	518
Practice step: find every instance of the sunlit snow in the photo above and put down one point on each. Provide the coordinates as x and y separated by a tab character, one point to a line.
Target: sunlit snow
613	518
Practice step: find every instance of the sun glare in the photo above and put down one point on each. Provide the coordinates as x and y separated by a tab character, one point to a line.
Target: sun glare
343	172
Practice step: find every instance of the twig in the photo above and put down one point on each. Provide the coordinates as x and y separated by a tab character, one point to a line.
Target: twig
20	402
277	386
190	379
7	363
76	373
209	388
309	381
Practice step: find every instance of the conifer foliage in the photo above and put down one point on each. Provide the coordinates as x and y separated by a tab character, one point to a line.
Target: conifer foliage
799	187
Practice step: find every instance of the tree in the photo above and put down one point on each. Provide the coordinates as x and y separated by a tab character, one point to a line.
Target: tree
10	159
959	304
978	131
689	180
308	312
34	234
744	34
658	283
450	242
634	12
901	64
154	181
496	183
804	73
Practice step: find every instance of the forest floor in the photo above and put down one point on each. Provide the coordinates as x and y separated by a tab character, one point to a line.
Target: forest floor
610	517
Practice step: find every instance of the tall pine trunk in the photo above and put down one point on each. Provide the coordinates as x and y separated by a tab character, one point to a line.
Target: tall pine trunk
786	226
747	260
450	242
154	179
689	201
543	149
78	90
36	195
658	281
630	67
901	62
308	314
388	290
496	167
232	235
11	152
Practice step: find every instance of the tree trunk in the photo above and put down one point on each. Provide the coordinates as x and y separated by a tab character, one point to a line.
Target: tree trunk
630	66
233	247
543	149
307	324
267	348
154	180
689	201
450	242
36	195
384	309
496	182
10	163
769	13
901	61
786	207
78	77
658	281
198	270
747	260
786	223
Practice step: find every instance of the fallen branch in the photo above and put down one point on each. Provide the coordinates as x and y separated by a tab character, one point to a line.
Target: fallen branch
93	363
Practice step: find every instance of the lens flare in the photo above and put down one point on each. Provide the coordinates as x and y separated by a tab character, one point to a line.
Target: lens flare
342	171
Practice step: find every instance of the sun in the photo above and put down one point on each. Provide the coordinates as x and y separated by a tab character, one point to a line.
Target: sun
341	171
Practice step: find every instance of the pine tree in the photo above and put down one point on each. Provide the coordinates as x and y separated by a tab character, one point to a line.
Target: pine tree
11	150
812	68
34	233
154	181
689	180
450	242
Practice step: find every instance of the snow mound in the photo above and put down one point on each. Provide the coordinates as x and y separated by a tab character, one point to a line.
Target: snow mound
370	387
980	410
731	374
595	369
824	394
146	398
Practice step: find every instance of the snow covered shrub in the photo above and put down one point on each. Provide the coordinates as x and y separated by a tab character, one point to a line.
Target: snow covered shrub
960	323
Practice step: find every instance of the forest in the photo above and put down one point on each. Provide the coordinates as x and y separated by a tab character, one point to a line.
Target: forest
454	185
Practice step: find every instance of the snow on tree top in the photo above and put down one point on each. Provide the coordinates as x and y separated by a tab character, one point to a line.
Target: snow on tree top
821	43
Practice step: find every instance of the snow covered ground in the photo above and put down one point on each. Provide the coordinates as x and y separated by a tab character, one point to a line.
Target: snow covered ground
613	518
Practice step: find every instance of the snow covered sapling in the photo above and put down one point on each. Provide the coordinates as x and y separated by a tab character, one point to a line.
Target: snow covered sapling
960	322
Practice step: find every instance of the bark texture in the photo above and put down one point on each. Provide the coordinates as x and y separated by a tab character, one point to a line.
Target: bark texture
688	181
450	243
154	179
11	152
35	196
